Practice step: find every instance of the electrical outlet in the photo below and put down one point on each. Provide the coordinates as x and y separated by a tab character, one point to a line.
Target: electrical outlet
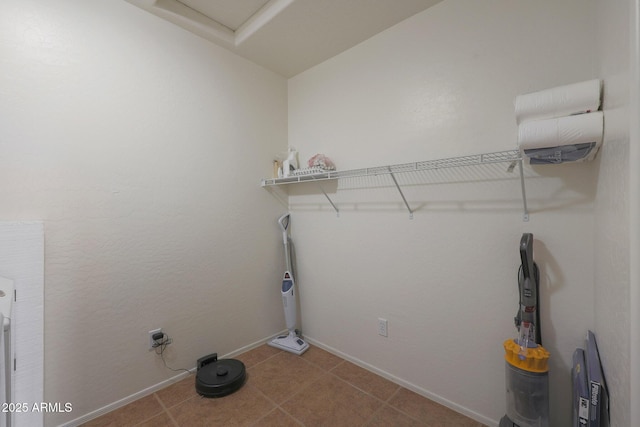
151	333
382	327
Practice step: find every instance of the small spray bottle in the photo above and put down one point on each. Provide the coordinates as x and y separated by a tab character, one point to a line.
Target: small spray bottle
291	163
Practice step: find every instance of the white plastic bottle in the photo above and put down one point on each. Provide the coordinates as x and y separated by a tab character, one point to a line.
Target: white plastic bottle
291	163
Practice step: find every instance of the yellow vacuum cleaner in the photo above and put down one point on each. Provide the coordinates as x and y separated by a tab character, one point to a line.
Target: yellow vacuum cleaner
527	371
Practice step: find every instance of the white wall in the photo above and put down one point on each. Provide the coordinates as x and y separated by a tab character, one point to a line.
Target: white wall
440	84
612	272
141	147
634	211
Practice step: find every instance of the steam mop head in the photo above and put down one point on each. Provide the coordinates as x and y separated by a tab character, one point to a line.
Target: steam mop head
291	343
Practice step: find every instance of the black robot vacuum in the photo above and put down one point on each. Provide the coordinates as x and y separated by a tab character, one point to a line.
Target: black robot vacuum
218	378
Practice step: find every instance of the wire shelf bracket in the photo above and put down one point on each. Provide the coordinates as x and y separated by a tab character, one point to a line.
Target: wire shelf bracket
329	199
404	199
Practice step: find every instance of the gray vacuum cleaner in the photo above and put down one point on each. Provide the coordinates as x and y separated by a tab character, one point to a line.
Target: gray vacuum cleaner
527	373
290	342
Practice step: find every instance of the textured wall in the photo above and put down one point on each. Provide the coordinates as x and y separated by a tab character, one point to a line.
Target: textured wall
612	297
141	147
439	84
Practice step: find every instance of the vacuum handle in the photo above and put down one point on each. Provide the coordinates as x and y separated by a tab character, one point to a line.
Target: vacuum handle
526	255
528	284
528	292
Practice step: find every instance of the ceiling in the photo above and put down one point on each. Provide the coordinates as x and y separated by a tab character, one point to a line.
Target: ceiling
286	36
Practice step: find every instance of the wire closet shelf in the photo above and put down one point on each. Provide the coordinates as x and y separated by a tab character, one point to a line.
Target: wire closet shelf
513	157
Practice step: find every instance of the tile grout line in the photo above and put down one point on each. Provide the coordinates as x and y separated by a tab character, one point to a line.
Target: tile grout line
373	416
364	391
384	403
329	373
277	406
295	394
381	402
395	408
321	367
263	361
180	402
166	410
162	410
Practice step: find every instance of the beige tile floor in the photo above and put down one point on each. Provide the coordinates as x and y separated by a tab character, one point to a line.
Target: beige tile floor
315	389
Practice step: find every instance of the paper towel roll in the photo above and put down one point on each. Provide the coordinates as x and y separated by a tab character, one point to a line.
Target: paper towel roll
569	130
560	101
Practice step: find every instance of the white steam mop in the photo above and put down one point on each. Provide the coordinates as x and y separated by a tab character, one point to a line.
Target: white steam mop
290	342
